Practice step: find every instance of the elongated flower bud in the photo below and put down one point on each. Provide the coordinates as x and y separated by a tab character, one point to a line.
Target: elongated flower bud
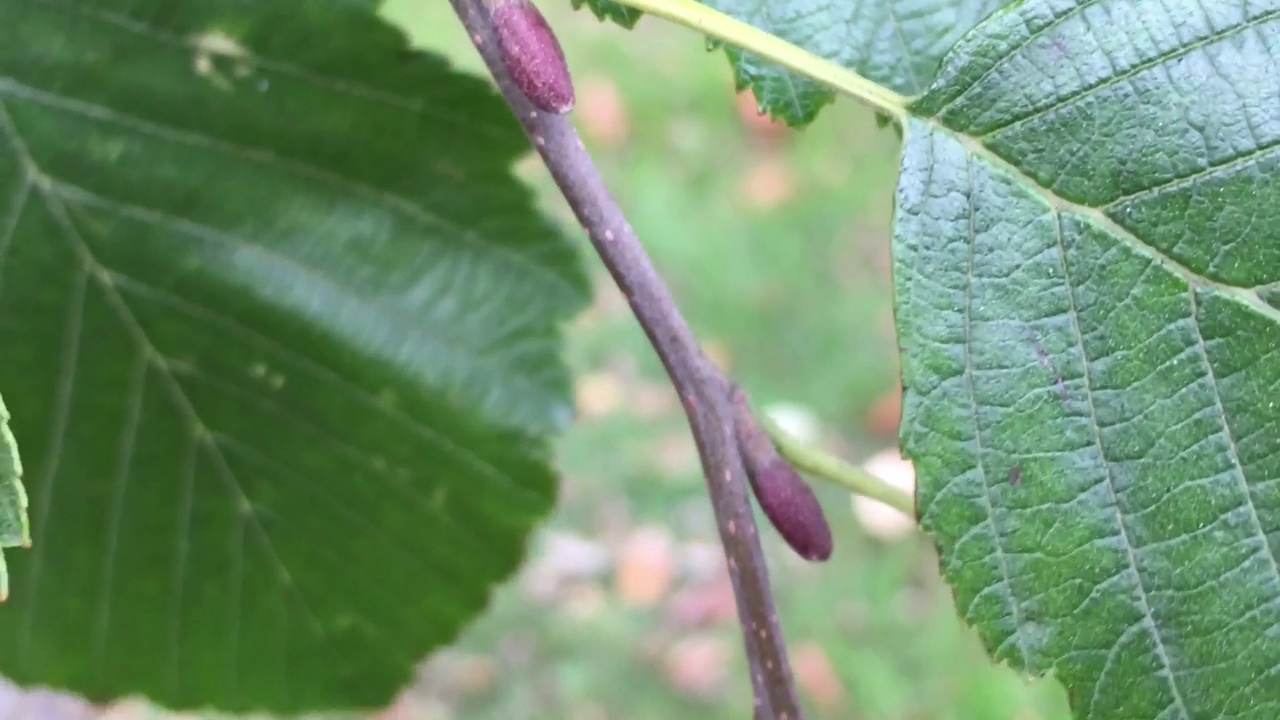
532	54
792	508
783	495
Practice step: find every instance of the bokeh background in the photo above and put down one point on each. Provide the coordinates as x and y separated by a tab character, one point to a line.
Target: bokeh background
775	243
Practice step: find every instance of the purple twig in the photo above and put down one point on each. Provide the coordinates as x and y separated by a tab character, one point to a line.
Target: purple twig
703	390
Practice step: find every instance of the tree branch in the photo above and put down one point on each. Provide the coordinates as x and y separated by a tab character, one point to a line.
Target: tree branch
703	391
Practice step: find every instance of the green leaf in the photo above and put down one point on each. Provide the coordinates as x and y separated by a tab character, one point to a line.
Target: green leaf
14	528
610	10
1086	252
895	44
281	341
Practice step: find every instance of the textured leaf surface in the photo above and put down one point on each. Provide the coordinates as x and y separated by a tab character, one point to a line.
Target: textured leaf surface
896	43
279	340
14	529
1087	251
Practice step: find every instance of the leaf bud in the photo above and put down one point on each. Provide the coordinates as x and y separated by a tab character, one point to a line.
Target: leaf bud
792	507
532	55
784	496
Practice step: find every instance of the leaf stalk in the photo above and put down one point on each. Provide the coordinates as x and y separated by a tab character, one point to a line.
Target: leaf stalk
718	25
817	463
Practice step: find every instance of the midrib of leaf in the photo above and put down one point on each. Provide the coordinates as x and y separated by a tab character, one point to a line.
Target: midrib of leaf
973	145
201	436
727	29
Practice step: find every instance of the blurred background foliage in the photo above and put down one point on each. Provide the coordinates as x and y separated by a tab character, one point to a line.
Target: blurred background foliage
776	245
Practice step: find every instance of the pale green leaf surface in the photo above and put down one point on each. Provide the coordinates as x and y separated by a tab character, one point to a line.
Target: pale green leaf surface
280	338
14	528
895	43
1087	236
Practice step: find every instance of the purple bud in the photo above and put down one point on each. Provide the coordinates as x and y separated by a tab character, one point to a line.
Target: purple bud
792	508
532	54
783	495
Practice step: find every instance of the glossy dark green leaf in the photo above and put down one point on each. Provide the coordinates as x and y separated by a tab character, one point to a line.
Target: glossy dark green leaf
1086	252
280	338
893	43
14	528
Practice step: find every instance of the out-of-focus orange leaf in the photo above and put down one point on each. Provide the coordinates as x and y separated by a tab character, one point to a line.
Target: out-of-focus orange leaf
768	183
761	126
882	417
816	677
601	113
646	566
696	665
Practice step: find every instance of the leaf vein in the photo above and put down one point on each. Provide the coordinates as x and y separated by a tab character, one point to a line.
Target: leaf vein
1252	157
996	531
448	347
1144	604
1031	36
340	85
1105	222
89	265
907	53
182	544
404	207
120	484
340	384
1116	76
1232	450
69	364
17	206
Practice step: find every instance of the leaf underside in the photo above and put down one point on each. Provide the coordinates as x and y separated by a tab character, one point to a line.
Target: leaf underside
894	43
280	340
14	528
1086	260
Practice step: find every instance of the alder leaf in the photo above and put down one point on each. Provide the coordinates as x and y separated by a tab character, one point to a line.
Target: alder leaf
14	528
281	343
1086	259
891	42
